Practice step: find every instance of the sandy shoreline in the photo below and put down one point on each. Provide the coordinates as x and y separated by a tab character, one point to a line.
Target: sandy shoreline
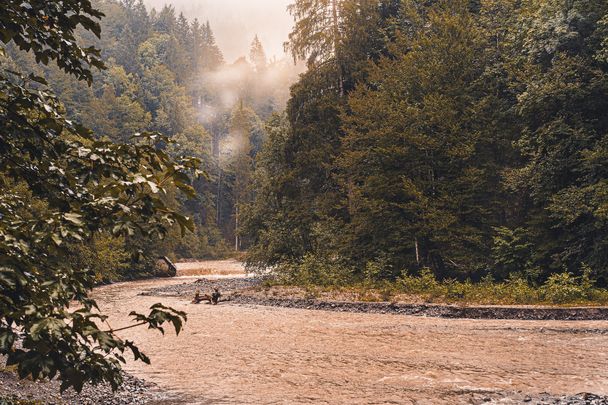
248	291
263	349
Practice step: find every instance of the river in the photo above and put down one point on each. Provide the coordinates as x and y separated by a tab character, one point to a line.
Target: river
234	354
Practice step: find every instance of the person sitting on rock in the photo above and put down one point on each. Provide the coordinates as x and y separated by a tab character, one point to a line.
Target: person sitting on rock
214	298
198	298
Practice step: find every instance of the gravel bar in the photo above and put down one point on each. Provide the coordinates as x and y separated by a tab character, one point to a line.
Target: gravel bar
246	291
133	391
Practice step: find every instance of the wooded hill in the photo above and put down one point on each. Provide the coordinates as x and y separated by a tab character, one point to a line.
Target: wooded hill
166	74
468	137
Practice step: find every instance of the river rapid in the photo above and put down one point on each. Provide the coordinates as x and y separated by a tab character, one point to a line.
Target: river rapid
236	354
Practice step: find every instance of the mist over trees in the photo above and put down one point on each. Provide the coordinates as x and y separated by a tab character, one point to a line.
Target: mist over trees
468	137
166	73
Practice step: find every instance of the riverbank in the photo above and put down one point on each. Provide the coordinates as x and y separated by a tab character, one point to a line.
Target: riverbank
239	352
224	267
134	391
251	291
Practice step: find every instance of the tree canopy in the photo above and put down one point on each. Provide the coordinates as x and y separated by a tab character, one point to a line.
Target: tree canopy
462	136
61	187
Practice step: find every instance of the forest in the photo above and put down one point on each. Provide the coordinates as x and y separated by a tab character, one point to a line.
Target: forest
431	144
464	138
167	75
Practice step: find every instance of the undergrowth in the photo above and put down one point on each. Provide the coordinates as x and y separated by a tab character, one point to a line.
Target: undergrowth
322	278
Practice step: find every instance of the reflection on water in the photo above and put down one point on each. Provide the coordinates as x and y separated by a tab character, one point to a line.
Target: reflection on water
236	354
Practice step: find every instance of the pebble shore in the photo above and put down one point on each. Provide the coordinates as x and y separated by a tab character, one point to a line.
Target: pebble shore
249	291
134	391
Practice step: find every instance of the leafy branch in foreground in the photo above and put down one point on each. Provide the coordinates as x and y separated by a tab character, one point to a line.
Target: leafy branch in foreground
160	314
86	187
59	186
47	28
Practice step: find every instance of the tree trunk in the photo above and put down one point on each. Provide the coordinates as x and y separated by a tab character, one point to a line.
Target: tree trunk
219	195
336	35
236	227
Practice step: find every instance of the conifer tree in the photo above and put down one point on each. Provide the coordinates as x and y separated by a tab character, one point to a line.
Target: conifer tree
165	22
317	33
242	129
212	54
257	56
563	103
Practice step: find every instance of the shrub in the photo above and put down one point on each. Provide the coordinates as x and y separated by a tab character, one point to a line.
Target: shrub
315	270
378	270
519	291
423	284
104	255
564	288
456	290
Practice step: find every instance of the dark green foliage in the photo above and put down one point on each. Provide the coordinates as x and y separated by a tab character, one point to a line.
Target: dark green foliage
61	187
105	255
47	28
466	137
563	105
417	163
86	186
273	221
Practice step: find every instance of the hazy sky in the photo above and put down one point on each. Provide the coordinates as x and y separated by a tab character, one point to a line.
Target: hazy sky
235	22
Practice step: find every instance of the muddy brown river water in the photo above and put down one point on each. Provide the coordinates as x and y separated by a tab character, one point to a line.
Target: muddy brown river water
232	354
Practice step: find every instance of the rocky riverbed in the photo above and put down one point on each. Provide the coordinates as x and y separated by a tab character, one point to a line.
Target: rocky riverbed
309	350
134	391
318	348
251	291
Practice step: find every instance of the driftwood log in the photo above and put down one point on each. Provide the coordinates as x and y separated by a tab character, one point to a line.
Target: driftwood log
214	299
